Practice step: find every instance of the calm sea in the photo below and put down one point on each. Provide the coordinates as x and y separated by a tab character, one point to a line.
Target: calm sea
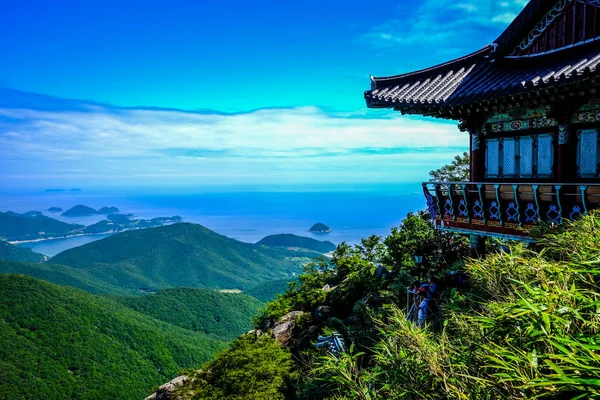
352	212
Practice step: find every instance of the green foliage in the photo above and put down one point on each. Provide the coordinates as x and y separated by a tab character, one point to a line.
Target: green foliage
416	234
15	226
268	291
303	294
16	253
223	315
254	368
528	328
289	240
61	275
178	255
457	171
59	342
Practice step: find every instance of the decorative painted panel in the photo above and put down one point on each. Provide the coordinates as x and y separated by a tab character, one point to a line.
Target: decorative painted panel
509	213
586	116
522	124
518	114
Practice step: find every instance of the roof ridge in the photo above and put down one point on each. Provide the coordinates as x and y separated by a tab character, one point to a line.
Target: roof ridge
479	53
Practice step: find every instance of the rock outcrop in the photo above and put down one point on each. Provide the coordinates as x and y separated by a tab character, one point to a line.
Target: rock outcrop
283	331
168	390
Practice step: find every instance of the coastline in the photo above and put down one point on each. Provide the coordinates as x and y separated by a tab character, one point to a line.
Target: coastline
17	242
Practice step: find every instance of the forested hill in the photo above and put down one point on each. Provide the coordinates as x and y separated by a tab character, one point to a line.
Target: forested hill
63	343
26	226
178	255
62	275
290	240
12	252
224	315
269	290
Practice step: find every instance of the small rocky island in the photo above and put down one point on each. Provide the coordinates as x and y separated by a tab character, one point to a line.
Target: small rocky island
319	228
55	209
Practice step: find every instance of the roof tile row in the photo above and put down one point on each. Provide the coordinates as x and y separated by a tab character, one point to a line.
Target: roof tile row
477	77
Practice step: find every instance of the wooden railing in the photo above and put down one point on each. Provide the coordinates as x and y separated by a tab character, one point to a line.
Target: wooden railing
507	209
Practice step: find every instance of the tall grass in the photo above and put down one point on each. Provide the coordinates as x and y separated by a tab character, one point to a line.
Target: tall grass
528	328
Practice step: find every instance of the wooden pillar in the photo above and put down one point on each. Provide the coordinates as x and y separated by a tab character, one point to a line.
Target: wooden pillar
477	156
566	157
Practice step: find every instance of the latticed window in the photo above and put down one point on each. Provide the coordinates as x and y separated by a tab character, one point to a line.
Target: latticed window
587	153
520	157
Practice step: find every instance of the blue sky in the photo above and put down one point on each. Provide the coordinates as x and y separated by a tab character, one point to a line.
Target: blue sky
226	92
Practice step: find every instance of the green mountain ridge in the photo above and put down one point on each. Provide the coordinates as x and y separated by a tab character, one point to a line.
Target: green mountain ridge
290	240
59	342
223	315
62	275
16	253
178	255
30	226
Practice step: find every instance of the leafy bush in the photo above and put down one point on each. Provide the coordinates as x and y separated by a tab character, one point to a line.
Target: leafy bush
254	368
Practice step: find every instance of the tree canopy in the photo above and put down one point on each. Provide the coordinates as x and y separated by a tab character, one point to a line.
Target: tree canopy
457	171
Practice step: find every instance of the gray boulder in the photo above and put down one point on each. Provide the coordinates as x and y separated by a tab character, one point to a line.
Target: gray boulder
167	391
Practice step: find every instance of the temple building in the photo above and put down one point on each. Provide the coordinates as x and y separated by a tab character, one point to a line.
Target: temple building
530	102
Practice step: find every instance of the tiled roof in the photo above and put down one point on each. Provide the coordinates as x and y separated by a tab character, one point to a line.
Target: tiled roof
478	77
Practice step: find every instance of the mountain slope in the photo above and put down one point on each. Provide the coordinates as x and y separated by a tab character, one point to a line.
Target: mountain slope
16	253
225	315
178	255
290	240
59	342
267	291
62	275
15	226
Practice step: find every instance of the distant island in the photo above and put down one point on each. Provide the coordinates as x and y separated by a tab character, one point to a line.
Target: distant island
56	190
84	211
319	228
34	226
288	240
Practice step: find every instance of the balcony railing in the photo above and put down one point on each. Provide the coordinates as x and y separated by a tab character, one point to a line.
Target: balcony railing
507	209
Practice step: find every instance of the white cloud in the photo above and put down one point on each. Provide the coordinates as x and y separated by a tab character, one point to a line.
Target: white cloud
445	23
270	145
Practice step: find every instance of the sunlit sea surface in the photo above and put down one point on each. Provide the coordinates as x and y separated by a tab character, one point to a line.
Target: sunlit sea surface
353	212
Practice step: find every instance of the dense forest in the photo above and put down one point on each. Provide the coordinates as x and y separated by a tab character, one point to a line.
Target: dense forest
222	315
178	255
62	275
16	253
59	342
